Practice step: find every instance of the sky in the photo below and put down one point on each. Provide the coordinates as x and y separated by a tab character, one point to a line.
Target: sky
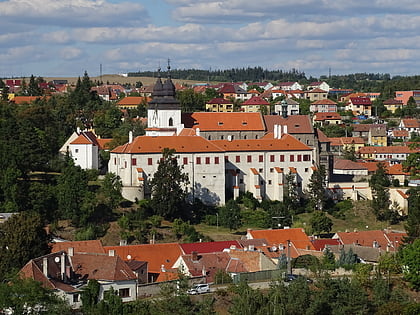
68	37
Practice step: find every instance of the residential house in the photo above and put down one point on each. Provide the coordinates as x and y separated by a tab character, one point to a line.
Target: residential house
219	105
372	95
393	154
316	95
377	136
133	102
412	125
338	92
327	118
404	96
362	130
349	168
255	105
345	98
399	135
208	247
234	92
360	106
91	246
323	106
393	104
67	273
287	107
341	144
289	86
318	85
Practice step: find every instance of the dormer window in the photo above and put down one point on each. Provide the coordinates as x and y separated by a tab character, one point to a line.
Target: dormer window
220	123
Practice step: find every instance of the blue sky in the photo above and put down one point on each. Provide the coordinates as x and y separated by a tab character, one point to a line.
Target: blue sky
67	37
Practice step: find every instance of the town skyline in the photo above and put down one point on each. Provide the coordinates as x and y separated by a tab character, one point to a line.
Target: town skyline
47	38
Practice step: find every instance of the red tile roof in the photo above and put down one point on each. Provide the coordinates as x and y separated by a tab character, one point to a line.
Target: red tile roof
326	101
27	99
327	116
94	246
296	124
255	100
133	100
361	101
316	90
366	238
346	140
208	247
156	255
182	144
321	243
348	165
208	121
219	100
387	150
411	123
276	237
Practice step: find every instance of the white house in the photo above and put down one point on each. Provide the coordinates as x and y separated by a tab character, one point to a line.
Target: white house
318	85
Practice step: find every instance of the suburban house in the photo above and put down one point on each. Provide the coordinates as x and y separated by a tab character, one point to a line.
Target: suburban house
341	144
132	102
289	105
404	96
363	130
318	85
219	105
393	104
67	273
316	95
327	118
289	86
360	106
410	124
255	105
393	154
323	106
234	91
377	136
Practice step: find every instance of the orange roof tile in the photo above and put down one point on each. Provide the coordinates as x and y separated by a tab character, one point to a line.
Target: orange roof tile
211	121
325	116
276	237
411	123
326	101
208	247
146	144
133	100
346	140
155	254
296	124
94	246
27	99
387	150
364	238
255	100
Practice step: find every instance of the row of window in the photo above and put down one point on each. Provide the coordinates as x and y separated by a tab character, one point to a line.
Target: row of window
216	159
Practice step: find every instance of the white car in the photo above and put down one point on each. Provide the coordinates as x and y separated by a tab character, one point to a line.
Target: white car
199	288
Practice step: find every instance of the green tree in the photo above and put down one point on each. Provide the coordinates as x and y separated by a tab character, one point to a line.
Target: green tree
230	215
23	237
111	190
33	87
328	259
107	120
410	257
191	101
316	188
413	220
320	222
169	186
412	164
90	296
379	182
27	296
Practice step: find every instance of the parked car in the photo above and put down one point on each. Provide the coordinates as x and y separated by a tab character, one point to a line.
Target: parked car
199	288
293	277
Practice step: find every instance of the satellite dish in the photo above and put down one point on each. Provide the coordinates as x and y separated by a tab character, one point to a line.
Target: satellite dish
57	259
129	257
273	248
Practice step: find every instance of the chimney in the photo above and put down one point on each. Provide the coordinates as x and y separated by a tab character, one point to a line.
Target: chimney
130	137
63	266
275	132
70	251
285	131
111	252
45	266
279	131
194	256
197	131
162	268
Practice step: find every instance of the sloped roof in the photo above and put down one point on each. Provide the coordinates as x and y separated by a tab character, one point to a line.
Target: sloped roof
280	236
250	259
321	136
219	100
400	133
316	90
133	100
347	165
208	247
230	88
156	255
255	100
296	124
208	121
339	141
286	143
364	238
93	246
182	144
326	101
326	116
411	123
27	99
392	101
320	243
361	100
387	150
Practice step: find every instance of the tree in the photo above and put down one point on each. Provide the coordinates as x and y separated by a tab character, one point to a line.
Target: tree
317	186
320	222
169	186
413	220
328	259
111	190
90	296
23	237
410	257
33	87
379	182
412	164
230	215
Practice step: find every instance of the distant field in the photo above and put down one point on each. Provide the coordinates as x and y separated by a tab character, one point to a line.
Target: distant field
117	79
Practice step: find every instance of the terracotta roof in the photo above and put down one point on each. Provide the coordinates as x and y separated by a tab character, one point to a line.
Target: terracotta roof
296	124
361	100
208	247
219	100
156	255
208	121
326	116
321	136
133	100
250	259
187	132
27	99
101	267
346	140
276	237
103	143
400	133
411	123
387	150
326	101
365	238
286	143
361	127
94	246
392	101
255	100
321	243
348	165
231	89
317	90
184	144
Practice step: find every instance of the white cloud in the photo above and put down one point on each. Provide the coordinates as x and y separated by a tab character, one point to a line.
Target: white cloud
69	53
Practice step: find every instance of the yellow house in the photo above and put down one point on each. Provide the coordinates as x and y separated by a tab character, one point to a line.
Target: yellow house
392	105
377	136
219	105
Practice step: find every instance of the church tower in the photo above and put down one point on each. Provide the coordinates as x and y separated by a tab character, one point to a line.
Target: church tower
163	111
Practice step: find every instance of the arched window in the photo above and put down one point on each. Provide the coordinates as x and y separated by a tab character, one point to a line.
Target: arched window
171	122
209	138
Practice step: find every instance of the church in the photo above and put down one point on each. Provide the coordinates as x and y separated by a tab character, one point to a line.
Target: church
222	153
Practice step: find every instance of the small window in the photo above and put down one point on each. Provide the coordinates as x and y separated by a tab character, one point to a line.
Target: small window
306	170
149	161
299	158
171	122
260	170
76	298
282	158
292	158
216	160
198	160
261	158
269	182
185	160
115	161
133	161
207	160
271	170
125	164
241	181
238	159
249	158
76	150
271	158
124	292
